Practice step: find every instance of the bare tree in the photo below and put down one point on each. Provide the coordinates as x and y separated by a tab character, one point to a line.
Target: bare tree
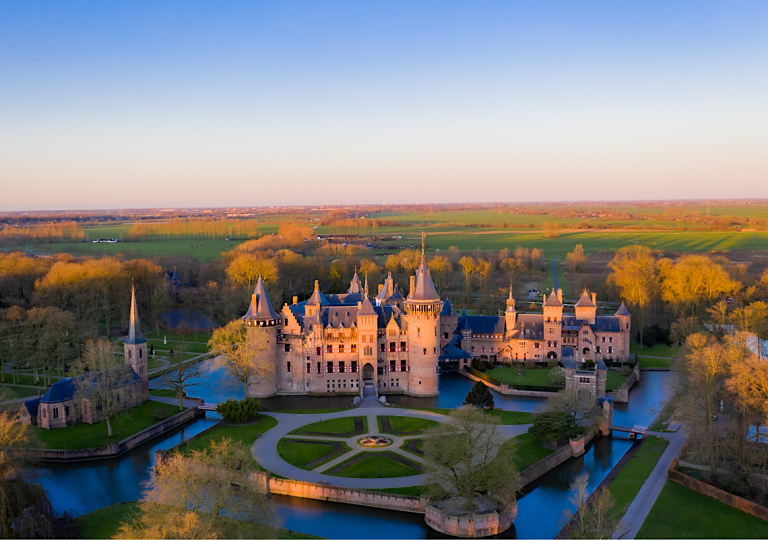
237	350
466	461
595	516
180	376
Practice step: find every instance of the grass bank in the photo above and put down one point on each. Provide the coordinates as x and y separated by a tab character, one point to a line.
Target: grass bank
124	425
301	454
636	471
680	512
376	465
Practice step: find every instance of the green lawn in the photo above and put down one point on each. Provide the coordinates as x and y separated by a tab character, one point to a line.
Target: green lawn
13	392
419	445
615	379
336	426
407	423
512	418
244	434
654	362
680	512
310	411
27	379
162	392
300	454
105	522
631	478
527	450
531	377
377	465
192	346
665	351
95	435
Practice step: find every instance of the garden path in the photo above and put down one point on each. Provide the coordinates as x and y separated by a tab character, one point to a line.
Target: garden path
265	448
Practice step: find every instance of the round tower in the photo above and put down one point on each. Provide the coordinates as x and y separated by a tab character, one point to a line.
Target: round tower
263	325
422	308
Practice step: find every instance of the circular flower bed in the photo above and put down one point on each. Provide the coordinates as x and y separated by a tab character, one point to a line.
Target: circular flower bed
374	441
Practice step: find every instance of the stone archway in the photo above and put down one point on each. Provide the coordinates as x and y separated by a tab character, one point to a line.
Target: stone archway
552	355
367	373
585	351
567	351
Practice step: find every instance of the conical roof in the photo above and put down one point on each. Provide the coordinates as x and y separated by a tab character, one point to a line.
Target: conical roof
425	287
553	301
317	297
261	308
134	328
387	290
447	310
396	294
355	287
585	300
623	311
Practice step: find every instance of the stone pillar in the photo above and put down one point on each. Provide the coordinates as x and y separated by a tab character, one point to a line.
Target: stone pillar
606	420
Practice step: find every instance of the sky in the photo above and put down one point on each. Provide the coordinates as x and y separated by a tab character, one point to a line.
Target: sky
109	104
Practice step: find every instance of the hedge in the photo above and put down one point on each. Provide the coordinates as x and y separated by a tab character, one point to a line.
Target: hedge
483	376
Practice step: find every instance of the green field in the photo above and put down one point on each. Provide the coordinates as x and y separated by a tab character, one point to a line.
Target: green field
95	435
336	427
301	454
508	418
105	522
527	450
654	362
376	465
14	392
246	435
661	350
680	512
533	377
631	478
406	424
27	379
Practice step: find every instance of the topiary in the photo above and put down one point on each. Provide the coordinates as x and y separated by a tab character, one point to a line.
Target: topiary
479	396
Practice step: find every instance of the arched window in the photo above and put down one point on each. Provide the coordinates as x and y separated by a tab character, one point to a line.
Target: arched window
130	357
140	354
55	412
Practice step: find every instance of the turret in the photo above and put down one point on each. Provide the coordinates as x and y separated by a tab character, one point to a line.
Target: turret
135	346
510	315
625	317
263	325
423	307
586	307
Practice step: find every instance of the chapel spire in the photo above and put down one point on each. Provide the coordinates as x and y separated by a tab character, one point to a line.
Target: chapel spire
134	327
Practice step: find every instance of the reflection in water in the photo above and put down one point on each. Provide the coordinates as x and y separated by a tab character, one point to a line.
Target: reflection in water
87	486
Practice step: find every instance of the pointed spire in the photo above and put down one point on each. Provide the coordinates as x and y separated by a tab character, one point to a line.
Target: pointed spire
261	308
623	311
423	241
366	285
510	300
424	291
366	308
354	286
134	327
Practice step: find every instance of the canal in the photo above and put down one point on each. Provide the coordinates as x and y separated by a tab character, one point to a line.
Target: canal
86	486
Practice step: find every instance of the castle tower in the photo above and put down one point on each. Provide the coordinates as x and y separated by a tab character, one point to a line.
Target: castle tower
367	332
510	315
586	307
625	322
422	308
262	325
135	346
448	321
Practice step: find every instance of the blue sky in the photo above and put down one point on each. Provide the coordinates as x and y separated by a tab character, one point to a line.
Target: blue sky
145	104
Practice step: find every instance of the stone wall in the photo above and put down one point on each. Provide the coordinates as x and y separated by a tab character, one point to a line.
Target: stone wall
553	460
472	526
119	447
622	394
360	497
506	390
751	508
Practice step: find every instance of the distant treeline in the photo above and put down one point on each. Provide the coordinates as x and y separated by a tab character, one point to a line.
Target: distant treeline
208	229
67	231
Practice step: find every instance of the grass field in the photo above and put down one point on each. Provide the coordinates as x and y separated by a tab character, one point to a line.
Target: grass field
654	362
406	424
334	427
162	392
13	392
189	344
95	435
680	512
508	418
27	379
105	522
527	450
243	434
534	377
664	351
300	454
628	482
377	465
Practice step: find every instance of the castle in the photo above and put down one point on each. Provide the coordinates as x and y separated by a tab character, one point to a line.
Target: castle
339	343
65	403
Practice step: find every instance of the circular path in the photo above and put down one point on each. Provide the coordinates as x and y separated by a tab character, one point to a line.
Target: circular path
265	448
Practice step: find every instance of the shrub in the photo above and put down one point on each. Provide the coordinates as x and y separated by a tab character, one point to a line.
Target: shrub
480	396
239	411
557	375
478	365
553	426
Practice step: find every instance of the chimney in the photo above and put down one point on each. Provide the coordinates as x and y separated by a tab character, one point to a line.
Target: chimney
560	295
412	288
594	298
544	301
359	305
295	300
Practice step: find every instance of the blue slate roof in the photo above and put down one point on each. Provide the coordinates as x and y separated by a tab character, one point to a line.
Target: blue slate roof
65	390
447	310
485	324
32	405
606	323
529	326
450	352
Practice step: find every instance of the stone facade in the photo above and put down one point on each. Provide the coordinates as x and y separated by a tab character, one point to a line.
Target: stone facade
338	343
63	404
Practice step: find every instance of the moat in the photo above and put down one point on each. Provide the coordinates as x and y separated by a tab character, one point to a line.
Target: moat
86	486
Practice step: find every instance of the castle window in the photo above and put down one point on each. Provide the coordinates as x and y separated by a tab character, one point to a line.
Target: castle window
586	332
341	347
425	351
482	349
329	367
287	347
610	350
382	348
602	339
318	350
549	343
391	365
288	367
318	367
353	347
329	348
402	346
342	368
473	348
402	366
597	348
368	350
536	345
354	366
551	330
445	335
130	357
418	332
44	412
141	370
610	339
521	344
309	368
141	356
391	346
55	412
66	411
627	326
